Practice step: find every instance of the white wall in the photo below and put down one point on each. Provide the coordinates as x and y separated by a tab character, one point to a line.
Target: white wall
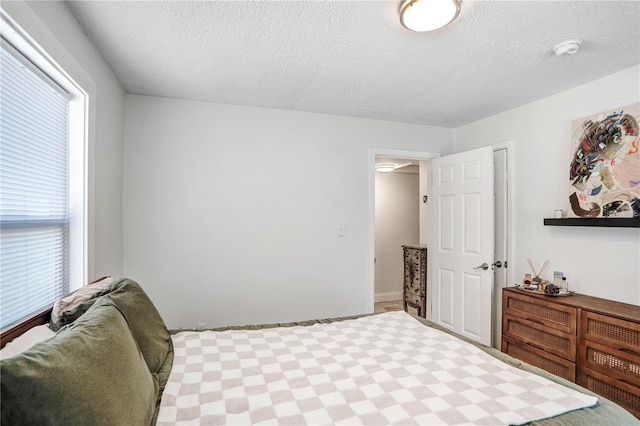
397	224
231	212
425	188
603	262
53	27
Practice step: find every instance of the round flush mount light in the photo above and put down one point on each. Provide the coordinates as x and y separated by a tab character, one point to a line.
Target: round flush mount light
385	167
428	15
390	167
567	47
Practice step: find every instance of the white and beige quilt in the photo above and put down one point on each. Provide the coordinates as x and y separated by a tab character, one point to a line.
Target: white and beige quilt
380	369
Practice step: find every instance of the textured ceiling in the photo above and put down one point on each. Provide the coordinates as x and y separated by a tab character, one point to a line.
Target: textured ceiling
354	58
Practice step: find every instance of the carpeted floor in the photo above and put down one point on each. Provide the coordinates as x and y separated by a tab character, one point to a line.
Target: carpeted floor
394	305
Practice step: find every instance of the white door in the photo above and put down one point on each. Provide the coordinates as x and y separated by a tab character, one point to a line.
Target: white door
461	243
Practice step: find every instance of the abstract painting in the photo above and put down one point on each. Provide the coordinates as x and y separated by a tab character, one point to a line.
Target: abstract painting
604	176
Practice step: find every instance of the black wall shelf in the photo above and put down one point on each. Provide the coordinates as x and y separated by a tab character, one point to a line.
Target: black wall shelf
609	222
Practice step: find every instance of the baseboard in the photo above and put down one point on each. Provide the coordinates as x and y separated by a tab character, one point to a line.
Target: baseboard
388	296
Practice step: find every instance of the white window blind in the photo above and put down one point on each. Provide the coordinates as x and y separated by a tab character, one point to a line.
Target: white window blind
34	194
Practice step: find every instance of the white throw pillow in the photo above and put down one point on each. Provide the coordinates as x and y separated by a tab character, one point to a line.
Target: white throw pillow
25	341
72	300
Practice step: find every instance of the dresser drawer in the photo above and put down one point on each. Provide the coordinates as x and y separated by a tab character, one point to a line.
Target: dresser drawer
539	358
537	309
609	331
540	336
623	394
622	365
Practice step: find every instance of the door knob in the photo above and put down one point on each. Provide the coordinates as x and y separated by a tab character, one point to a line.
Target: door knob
484	267
498	264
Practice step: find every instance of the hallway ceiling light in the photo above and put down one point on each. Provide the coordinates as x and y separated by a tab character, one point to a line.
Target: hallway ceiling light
389	167
428	15
385	167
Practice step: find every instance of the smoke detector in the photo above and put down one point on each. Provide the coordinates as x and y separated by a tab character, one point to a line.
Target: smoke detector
567	47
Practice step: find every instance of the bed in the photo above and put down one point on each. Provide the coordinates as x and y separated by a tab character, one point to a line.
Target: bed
114	362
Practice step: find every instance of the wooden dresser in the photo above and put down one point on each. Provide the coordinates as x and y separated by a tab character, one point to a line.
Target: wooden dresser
591	341
414	292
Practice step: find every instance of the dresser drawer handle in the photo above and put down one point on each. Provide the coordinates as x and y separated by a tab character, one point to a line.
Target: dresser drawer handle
535	320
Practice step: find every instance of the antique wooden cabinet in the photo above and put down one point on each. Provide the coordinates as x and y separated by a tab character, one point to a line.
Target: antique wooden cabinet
588	340
414	294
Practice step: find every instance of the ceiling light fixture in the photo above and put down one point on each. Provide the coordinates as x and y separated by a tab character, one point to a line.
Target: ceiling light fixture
389	167
428	15
567	47
385	167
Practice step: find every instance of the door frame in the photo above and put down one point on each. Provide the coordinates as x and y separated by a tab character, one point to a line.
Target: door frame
509	146
391	153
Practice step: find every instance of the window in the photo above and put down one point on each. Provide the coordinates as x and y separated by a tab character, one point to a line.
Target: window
39	237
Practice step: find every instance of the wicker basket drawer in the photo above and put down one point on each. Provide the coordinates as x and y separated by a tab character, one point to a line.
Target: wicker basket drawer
540	336
616	364
539	358
613	332
537	309
626	395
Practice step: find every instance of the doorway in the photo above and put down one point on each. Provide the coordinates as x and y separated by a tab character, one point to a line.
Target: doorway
398	222
503	155
397	157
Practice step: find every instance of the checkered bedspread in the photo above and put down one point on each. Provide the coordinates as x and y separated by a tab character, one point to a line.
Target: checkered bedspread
381	369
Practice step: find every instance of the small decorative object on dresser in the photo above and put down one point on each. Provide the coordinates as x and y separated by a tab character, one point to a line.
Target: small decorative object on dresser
537	279
591	341
414	293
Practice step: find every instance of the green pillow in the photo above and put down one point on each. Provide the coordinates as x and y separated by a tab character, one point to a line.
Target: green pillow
147	326
91	372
